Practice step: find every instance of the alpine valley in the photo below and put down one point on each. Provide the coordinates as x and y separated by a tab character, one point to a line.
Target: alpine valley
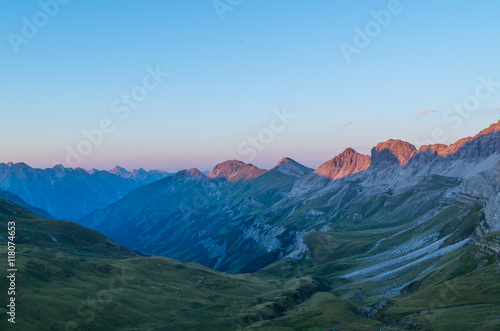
405	238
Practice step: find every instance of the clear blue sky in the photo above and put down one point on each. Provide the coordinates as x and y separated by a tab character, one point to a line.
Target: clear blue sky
226	77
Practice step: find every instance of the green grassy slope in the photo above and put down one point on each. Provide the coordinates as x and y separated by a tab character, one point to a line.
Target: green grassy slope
70	277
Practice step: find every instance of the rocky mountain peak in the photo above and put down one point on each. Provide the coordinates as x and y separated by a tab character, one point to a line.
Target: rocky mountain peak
58	167
92	171
119	171
345	164
286	160
138	173
393	151
235	170
291	167
192	173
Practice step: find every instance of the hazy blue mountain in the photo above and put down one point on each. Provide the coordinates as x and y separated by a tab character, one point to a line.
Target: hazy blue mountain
64	192
72	193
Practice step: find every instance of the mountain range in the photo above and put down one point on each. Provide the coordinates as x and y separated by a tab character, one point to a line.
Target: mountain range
71	193
239	210
404	238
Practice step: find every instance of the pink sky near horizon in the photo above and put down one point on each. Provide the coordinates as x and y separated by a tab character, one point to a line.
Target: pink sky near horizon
177	158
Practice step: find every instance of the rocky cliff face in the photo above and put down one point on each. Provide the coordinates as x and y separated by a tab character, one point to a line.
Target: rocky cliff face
486	188
465	158
432	149
484	144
